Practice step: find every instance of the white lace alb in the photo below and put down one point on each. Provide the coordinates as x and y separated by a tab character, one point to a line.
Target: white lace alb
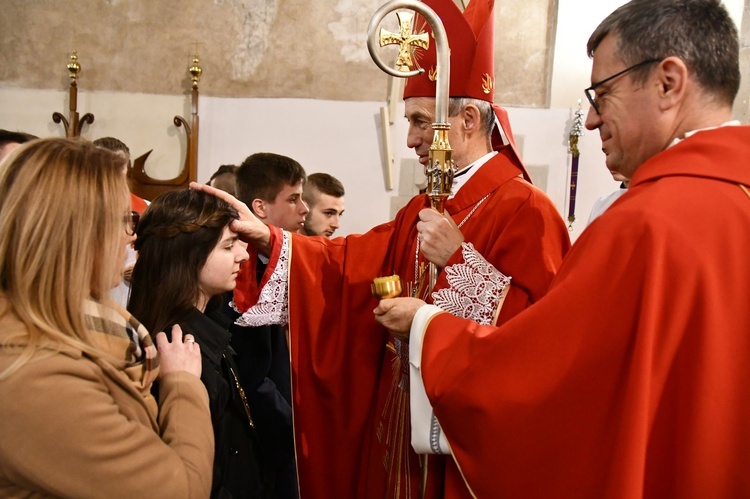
273	303
475	288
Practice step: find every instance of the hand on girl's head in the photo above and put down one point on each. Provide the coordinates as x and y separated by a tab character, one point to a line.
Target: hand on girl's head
242	209
249	227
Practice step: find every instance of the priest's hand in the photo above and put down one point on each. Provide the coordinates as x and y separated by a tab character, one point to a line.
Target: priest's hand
438	235
249	228
397	314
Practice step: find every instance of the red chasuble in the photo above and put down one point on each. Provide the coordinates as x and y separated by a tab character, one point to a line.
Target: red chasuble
351	406
630	378
137	204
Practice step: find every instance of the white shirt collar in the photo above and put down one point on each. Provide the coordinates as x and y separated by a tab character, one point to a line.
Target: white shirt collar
470	171
693	132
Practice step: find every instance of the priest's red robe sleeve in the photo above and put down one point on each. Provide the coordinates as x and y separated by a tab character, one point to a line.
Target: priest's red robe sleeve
566	399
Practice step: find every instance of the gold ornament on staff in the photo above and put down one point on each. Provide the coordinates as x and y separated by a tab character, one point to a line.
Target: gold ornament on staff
440	168
75	125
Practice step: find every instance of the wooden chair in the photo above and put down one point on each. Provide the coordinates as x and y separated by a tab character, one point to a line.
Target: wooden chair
141	183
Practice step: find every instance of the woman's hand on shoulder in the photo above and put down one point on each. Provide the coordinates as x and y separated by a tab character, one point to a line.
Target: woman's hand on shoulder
180	354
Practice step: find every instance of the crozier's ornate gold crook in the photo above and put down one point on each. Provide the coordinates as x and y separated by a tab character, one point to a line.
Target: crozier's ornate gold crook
440	168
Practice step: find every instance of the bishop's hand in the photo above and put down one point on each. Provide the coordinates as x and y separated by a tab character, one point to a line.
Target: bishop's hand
439	236
397	314
249	228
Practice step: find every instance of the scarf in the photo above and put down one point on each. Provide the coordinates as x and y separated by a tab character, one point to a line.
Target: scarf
120	334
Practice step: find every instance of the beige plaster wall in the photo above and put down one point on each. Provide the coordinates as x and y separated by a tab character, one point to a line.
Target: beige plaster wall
247	48
340	137
741	108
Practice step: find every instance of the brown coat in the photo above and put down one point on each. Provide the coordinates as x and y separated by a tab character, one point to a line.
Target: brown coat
72	426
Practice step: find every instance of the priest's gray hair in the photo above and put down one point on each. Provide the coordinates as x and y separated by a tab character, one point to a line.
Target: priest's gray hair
699	32
486	113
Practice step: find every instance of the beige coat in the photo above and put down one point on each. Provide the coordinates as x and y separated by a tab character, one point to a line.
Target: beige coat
72	426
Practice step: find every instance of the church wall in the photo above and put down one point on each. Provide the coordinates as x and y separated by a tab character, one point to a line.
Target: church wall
337	136
248	48
742	102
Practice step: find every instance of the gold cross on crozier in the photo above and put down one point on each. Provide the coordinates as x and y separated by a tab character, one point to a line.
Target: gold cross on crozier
406	40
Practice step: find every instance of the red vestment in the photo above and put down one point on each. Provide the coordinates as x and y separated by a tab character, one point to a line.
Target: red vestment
351	419
138	204
630	377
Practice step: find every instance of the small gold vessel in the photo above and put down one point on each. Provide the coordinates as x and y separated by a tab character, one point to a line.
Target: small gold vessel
386	287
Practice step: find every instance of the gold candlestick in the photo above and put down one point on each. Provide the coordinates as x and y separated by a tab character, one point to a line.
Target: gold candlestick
73	126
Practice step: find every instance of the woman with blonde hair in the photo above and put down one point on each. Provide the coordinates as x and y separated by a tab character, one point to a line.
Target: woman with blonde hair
78	418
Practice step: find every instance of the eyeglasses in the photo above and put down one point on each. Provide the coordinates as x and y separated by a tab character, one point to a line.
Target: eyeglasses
591	91
131	223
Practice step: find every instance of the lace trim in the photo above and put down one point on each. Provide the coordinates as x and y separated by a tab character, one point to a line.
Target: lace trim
475	288
435	431
273	303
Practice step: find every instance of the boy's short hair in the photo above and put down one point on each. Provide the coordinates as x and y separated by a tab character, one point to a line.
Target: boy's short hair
324	184
263	175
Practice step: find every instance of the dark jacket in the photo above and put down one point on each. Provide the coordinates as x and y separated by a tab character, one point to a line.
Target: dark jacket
237	470
265	372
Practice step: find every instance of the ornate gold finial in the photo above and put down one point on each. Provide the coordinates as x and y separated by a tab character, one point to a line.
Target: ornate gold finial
487	83
195	70
406	40
73	67
576	130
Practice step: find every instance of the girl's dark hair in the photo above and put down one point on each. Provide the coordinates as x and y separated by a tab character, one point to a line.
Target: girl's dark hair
176	235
